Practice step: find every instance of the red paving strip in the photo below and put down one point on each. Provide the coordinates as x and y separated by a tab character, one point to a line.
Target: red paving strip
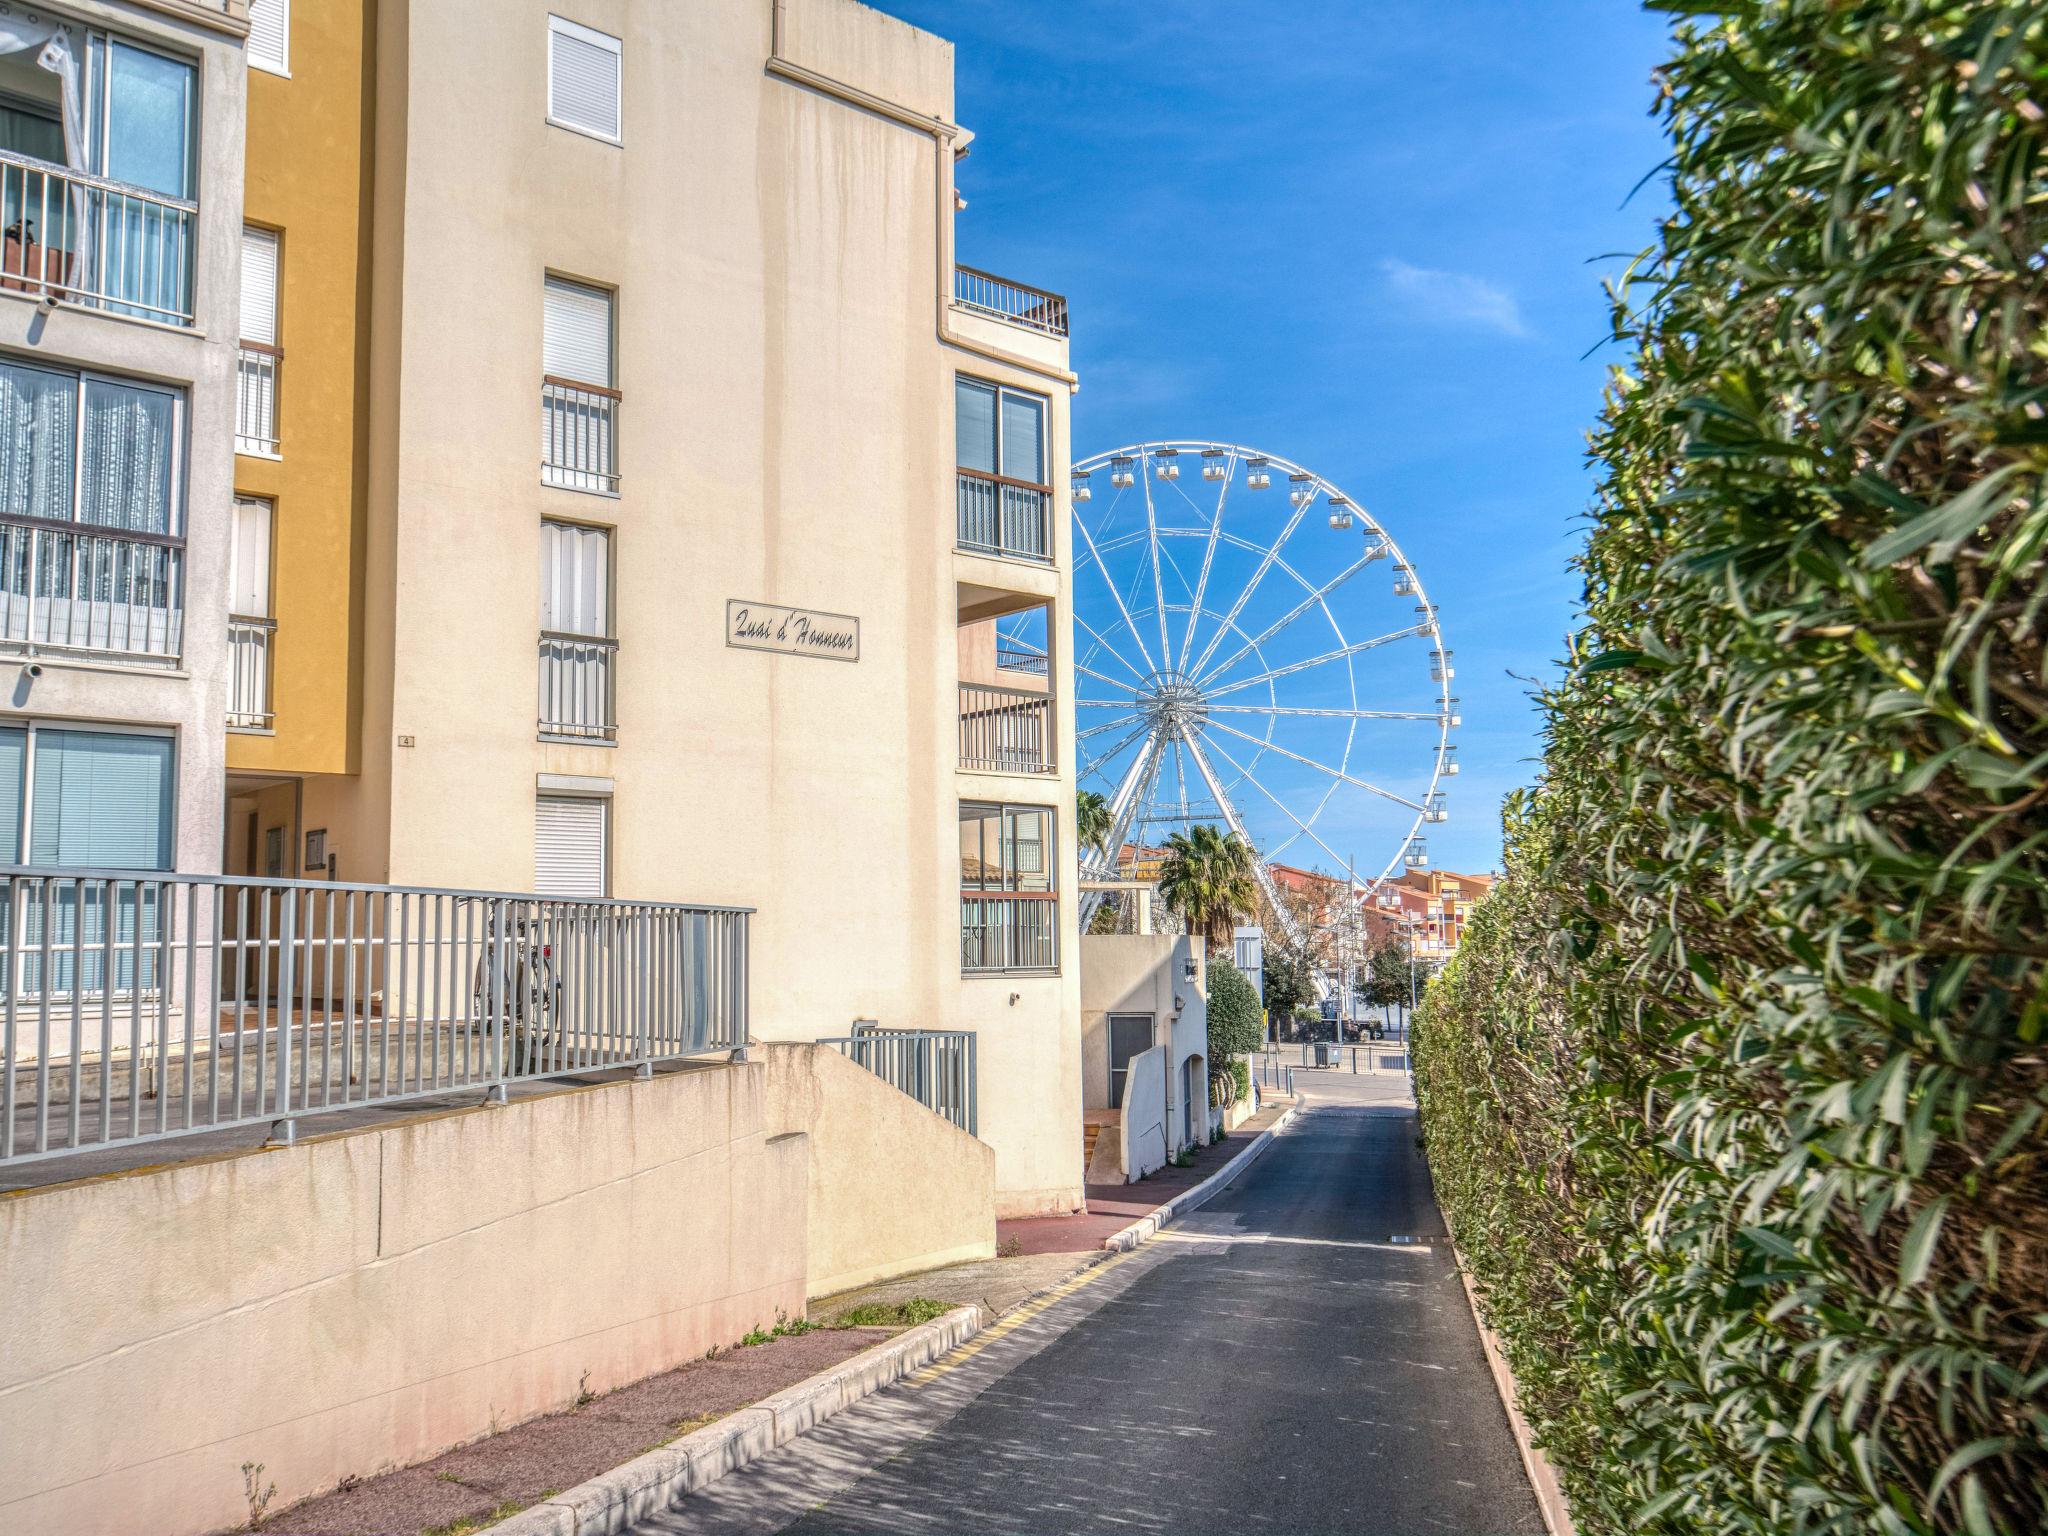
1112	1207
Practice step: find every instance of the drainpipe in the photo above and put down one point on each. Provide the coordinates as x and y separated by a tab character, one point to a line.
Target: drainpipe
943	135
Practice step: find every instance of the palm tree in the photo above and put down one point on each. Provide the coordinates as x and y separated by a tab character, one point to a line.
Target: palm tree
1207	878
1091	820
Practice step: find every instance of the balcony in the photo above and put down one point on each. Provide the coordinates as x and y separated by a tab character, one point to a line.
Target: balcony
95	242
249	673
257	367
1001	516
81	587
1011	660
1005	730
983	293
1013	932
579	436
578	700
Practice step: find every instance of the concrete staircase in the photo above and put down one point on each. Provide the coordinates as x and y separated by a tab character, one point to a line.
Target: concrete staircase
1091	1132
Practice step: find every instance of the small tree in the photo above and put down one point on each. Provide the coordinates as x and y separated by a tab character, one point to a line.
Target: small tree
1235	1028
1290	979
1387	980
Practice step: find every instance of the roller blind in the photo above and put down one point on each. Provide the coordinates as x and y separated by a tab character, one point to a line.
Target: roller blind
583	78
575	580
1024	437
259	286
101	800
974	425
270	35
576	332
249	562
13	760
569	845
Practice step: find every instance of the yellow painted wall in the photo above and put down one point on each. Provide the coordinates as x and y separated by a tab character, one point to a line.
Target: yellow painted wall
309	161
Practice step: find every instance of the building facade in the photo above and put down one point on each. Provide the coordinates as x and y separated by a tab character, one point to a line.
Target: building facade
121	153
654	508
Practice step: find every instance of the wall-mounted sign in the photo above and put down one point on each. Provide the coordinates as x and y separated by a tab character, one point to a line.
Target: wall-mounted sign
791	631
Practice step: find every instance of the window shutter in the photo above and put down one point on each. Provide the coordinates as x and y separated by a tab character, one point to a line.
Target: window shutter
974	425
1024	437
575	580
569	845
101	800
249	564
576	332
259	286
270	34
583	78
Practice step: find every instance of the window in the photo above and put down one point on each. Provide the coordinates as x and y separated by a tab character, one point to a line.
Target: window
270	35
1009	909
571	834
91	513
579	406
260	358
250	625
583	79
1005	500
576	644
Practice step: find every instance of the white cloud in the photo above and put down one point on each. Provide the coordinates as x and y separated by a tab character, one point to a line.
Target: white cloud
1457	297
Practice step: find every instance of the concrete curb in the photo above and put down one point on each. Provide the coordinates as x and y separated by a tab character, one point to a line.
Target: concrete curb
1557	1515
1148	1226
610	1502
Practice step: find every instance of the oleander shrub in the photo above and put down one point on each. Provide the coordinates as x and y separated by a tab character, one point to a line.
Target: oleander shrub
1734	1093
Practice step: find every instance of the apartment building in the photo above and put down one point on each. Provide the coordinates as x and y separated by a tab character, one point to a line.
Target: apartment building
120	216
636	498
1431	907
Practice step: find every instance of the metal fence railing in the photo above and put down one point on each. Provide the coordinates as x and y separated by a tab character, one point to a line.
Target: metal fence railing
140	1007
1000	516
85	587
1005	730
1017	303
95	241
935	1067
1011	660
257	367
1002	932
579	435
578	691
249	672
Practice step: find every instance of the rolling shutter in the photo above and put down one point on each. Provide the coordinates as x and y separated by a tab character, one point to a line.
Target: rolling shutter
583	78
576	332
259	286
270	34
569	845
575	579
101	800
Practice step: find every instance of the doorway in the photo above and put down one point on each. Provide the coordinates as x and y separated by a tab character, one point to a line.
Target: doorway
1130	1034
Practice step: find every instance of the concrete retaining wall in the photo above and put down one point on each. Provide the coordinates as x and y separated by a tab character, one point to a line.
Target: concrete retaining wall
368	1299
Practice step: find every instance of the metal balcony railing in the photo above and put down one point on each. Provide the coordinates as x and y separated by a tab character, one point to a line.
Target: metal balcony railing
82	587
249	673
935	1067
257	368
578	695
1001	516
93	241
983	293
579	435
1005	730
1008	931
141	1007
1008	660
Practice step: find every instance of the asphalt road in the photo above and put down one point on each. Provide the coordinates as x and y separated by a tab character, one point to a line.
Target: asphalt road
1278	1361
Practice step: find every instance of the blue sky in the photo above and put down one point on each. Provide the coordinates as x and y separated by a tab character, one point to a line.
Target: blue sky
1363	236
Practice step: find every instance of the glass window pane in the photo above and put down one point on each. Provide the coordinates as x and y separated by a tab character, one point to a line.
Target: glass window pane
129	457
38	419
974	424
979	851
1027	833
1023	437
13	758
149	119
101	800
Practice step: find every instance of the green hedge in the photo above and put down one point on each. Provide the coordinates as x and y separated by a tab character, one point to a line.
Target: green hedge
1236	1024
1735	1093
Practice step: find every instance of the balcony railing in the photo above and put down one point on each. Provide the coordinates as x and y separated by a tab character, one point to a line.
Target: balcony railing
935	1067
82	587
1001	516
1008	660
577	690
983	293
249	673
579	435
1008	931
94	241
1005	730
256	375
139	1007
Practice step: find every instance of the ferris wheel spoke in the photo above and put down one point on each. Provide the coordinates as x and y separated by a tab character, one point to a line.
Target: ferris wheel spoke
1308	762
1102	643
1187	640
1245	775
1152	538
1107	725
1260	868
1319	595
1316	661
1251	586
1107	753
1121	607
1339	714
1106	680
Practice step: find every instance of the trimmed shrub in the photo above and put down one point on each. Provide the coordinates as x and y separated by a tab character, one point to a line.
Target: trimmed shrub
1235	1024
1735	1092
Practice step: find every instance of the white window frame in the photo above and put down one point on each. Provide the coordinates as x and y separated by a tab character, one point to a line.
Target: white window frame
283	66
563	27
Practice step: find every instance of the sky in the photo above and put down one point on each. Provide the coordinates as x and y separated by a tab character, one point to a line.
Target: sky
1369	237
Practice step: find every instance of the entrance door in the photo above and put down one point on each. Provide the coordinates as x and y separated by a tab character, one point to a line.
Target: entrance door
1130	1034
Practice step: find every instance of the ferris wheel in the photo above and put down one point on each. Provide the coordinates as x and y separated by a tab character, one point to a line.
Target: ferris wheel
1239	660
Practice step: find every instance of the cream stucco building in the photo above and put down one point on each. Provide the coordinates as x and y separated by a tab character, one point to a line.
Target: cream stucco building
690	478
